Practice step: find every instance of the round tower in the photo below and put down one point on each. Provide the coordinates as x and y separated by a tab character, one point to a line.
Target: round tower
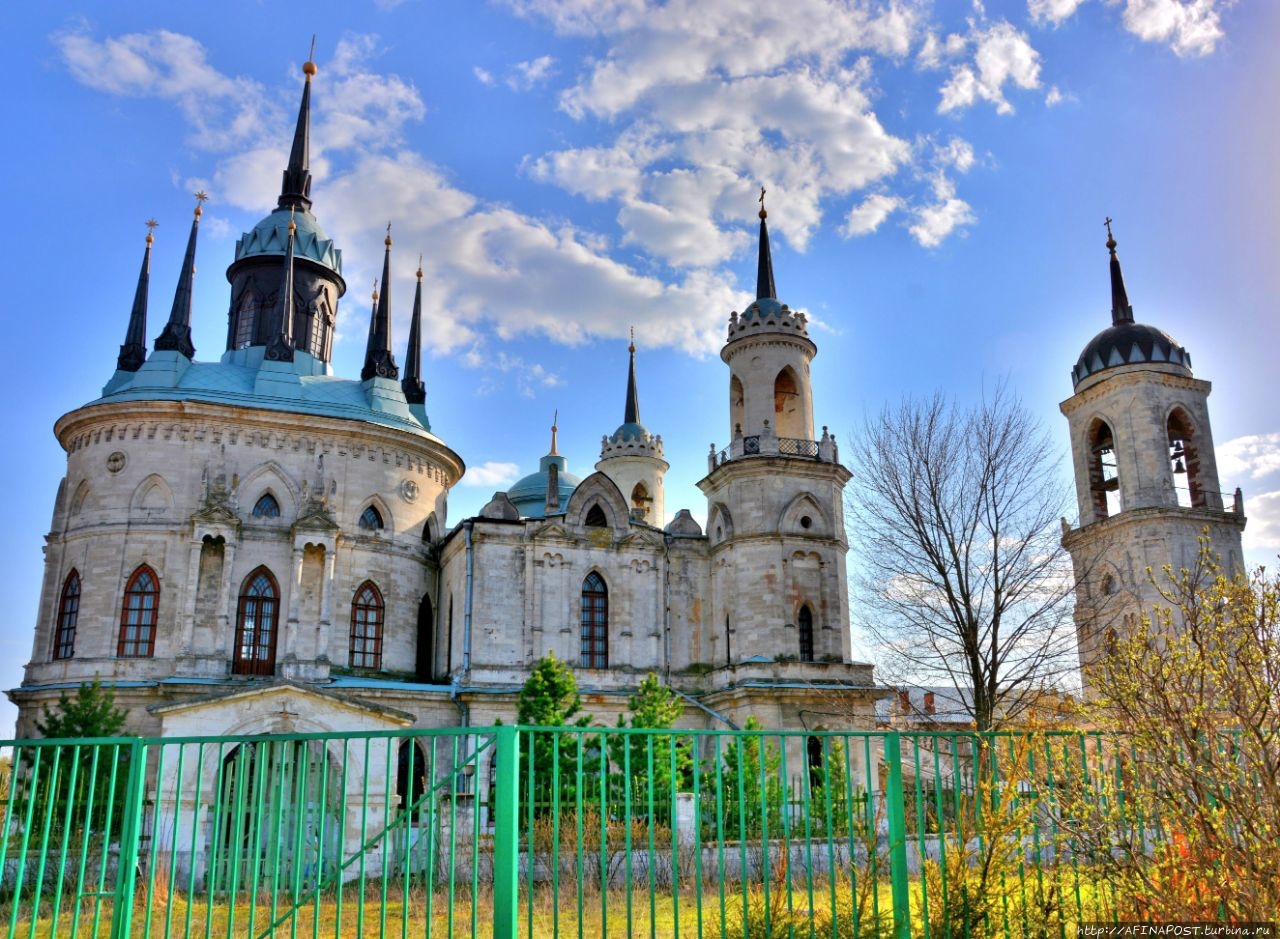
775	497
1145	470
632	457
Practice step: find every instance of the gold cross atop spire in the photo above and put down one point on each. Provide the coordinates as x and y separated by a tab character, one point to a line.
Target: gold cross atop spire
419	267
632	347
152	225
201	198
763	213
388	241
309	66
1111	241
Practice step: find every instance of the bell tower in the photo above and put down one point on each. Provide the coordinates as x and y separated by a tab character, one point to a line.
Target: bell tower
1145	471
775	515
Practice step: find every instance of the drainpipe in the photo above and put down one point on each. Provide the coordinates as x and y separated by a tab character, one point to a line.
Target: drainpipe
666	607
466	608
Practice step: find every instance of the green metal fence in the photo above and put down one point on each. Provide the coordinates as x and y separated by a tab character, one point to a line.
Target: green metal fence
509	832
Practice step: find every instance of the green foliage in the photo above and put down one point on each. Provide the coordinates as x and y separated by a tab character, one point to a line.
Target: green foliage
753	787
91	713
77	787
564	766
659	765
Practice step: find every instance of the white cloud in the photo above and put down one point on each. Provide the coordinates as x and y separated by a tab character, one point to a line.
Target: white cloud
1191	27
492	473
483	76
870	214
222	111
526	75
1262	536
936	221
1253	457
1052	11
1002	55
1056	96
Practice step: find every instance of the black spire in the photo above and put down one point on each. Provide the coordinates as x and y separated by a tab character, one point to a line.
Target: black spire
280	349
764	273
177	332
415	392
631	415
378	360
134	351
295	189
1121	311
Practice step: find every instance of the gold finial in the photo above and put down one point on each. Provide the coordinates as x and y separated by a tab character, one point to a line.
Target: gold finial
292	227
309	66
763	213
151	224
632	348
555	421
375	290
419	267
388	241
201	198
1111	241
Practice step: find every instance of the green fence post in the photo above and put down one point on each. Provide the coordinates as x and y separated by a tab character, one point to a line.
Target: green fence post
506	836
897	816
130	834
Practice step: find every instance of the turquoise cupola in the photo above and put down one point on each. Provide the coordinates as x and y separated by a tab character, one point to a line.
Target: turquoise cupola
547	491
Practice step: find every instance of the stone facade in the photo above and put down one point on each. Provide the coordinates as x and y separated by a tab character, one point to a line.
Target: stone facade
253	530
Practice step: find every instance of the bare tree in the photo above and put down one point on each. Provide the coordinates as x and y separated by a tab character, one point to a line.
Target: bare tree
959	570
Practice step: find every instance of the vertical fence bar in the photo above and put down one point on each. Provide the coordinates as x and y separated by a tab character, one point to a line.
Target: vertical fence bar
127	873
896	811
506	837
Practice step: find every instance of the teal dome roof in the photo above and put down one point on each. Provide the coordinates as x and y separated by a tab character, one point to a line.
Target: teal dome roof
271	237
765	307
529	495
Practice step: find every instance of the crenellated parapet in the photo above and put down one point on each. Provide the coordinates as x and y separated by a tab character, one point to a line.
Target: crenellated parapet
765	316
631	440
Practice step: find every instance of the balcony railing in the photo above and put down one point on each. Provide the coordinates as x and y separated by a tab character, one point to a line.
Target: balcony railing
823	450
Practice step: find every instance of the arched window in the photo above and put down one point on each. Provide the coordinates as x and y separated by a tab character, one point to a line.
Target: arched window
371	519
1104	480
426	664
266	507
595	622
596	517
816	760
246	319
138	615
257	618
366	627
64	640
411	774
728	642
641	500
786	404
805	622
1184	458
737	409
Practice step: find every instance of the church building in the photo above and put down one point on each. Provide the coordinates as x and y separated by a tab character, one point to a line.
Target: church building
251	544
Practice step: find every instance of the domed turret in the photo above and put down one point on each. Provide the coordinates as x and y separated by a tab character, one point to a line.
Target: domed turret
533	494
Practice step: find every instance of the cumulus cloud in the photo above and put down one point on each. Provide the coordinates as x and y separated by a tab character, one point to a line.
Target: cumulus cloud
483	76
1252	457
492	473
870	214
1191	27
1002	55
1052	11
526	75
1262	537
937	220
222	111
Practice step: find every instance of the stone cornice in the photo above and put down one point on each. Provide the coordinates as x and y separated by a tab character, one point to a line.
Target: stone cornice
1130	377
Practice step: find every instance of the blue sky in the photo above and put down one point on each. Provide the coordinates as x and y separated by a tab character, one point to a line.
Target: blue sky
938	173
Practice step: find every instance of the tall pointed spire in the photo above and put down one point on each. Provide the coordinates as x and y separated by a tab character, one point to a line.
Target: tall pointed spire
415	392
295	188
134	351
1121	311
378	360
555	427
631	414
177	332
280	349
764	272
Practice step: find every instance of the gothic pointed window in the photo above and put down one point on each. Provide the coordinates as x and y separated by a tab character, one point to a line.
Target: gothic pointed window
596	517
64	640
371	519
1184	460
786	404
257	622
1104	479
595	622
138	615
805	623
246	319
266	507
366	627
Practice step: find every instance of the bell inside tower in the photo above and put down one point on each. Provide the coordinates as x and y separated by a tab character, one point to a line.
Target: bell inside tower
1104	479
1184	460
